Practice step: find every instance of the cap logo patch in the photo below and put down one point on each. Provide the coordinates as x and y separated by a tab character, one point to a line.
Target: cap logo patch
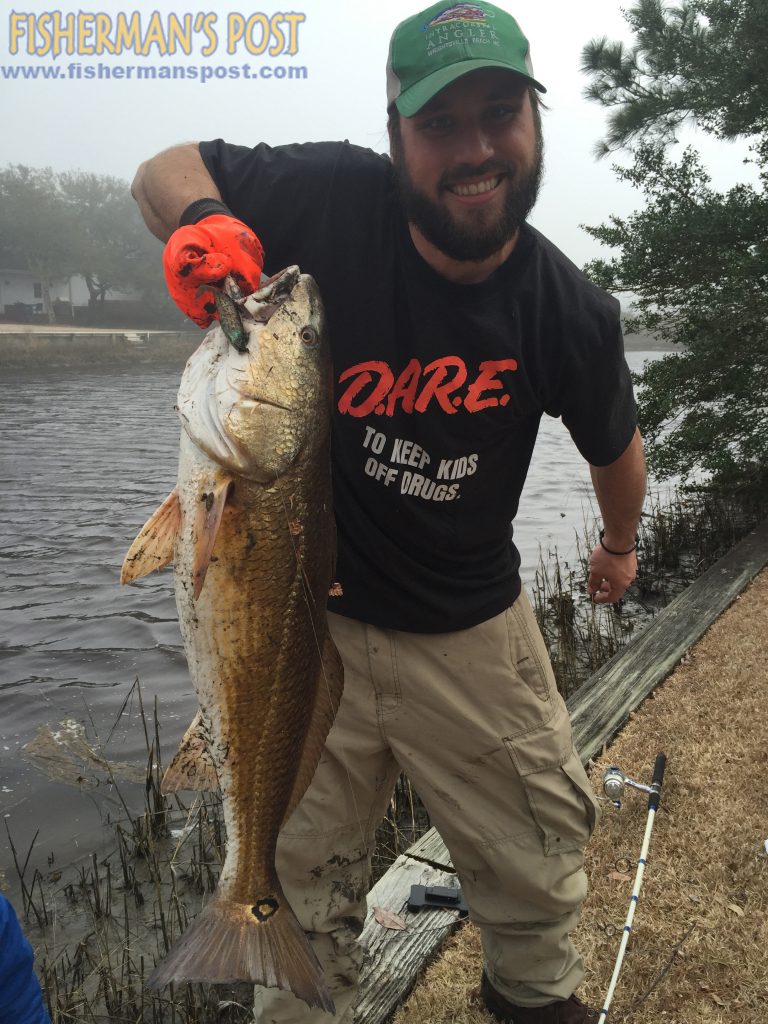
459	12
459	26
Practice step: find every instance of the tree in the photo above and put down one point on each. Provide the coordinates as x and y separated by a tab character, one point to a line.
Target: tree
115	249
694	259
60	224
703	61
39	232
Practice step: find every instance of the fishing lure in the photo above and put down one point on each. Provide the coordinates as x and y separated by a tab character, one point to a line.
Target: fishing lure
226	299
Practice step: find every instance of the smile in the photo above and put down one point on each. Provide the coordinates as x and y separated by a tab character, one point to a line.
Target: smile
476	188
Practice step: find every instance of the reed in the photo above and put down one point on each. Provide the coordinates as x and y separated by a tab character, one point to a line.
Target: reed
678	539
100	929
406	821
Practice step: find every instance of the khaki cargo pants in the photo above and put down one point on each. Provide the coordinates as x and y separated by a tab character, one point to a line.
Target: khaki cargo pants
474	719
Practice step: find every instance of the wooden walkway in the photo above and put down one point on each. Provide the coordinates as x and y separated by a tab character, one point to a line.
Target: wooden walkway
394	958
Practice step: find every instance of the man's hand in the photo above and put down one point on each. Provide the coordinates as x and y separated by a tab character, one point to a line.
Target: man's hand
610	575
620	490
204	253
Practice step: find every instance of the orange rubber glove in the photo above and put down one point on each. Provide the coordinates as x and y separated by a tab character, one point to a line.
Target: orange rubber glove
204	253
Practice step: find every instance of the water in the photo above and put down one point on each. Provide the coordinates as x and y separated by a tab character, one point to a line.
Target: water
85	458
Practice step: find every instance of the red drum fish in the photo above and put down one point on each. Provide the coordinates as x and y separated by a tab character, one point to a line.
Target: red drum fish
249	528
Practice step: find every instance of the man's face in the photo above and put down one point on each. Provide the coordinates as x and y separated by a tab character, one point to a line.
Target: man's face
469	163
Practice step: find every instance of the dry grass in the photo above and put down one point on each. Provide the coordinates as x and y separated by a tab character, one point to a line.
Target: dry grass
699	951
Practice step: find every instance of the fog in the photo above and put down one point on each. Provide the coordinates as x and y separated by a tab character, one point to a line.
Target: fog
108	125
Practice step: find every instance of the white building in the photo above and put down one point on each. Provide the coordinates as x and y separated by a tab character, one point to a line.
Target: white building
20	288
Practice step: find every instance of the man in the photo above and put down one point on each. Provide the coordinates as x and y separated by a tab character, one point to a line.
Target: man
454	326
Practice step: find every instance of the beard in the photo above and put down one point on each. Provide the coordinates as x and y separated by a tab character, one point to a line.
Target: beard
466	241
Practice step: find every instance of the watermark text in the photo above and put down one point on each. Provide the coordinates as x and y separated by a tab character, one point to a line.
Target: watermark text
203	73
95	34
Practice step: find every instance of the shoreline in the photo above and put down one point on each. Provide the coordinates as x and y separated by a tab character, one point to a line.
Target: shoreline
155	866
25	346
63	348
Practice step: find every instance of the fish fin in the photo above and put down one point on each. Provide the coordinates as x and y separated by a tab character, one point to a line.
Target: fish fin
209	512
261	943
192	767
329	689
153	547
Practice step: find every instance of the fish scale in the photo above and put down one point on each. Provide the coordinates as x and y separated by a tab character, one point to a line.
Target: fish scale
254	731
249	528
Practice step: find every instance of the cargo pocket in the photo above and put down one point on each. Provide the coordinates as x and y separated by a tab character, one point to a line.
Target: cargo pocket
560	797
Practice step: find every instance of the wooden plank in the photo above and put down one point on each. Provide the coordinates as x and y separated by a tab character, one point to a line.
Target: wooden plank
431	848
394	959
602	705
598	709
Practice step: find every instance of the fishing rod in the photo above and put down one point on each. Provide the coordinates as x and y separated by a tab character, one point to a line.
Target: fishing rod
614	784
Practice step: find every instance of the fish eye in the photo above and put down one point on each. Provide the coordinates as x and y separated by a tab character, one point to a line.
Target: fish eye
308	335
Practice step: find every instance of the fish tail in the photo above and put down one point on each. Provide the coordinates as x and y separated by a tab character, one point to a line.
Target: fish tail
261	943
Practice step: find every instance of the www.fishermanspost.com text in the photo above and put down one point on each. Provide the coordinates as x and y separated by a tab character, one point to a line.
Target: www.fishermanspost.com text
75	71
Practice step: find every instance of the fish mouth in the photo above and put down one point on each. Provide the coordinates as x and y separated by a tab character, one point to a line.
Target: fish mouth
264	303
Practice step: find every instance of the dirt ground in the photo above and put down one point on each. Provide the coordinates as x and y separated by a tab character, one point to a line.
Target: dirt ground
699	948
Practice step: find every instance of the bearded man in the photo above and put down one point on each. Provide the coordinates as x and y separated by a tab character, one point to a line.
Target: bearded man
454	326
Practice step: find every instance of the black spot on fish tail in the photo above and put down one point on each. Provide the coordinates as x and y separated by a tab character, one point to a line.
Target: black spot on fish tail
265	908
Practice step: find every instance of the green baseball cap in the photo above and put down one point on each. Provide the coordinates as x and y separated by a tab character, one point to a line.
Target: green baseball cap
444	42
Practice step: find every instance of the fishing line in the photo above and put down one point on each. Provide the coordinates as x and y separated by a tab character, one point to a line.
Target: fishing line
309	600
324	231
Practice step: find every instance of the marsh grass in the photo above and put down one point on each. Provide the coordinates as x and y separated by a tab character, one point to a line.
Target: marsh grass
130	907
678	540
100	928
407	820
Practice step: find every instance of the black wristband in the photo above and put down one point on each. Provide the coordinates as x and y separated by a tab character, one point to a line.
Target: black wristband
203	208
610	552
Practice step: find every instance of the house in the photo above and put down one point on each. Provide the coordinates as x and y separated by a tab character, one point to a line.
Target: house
22	295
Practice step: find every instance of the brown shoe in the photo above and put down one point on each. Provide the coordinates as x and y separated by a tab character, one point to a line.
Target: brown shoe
564	1011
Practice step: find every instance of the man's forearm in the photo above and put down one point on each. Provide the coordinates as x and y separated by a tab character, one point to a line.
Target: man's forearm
165	186
620	491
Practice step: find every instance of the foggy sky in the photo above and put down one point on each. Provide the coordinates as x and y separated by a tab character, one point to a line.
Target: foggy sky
109	126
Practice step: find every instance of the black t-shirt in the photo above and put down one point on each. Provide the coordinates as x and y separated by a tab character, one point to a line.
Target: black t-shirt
439	388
